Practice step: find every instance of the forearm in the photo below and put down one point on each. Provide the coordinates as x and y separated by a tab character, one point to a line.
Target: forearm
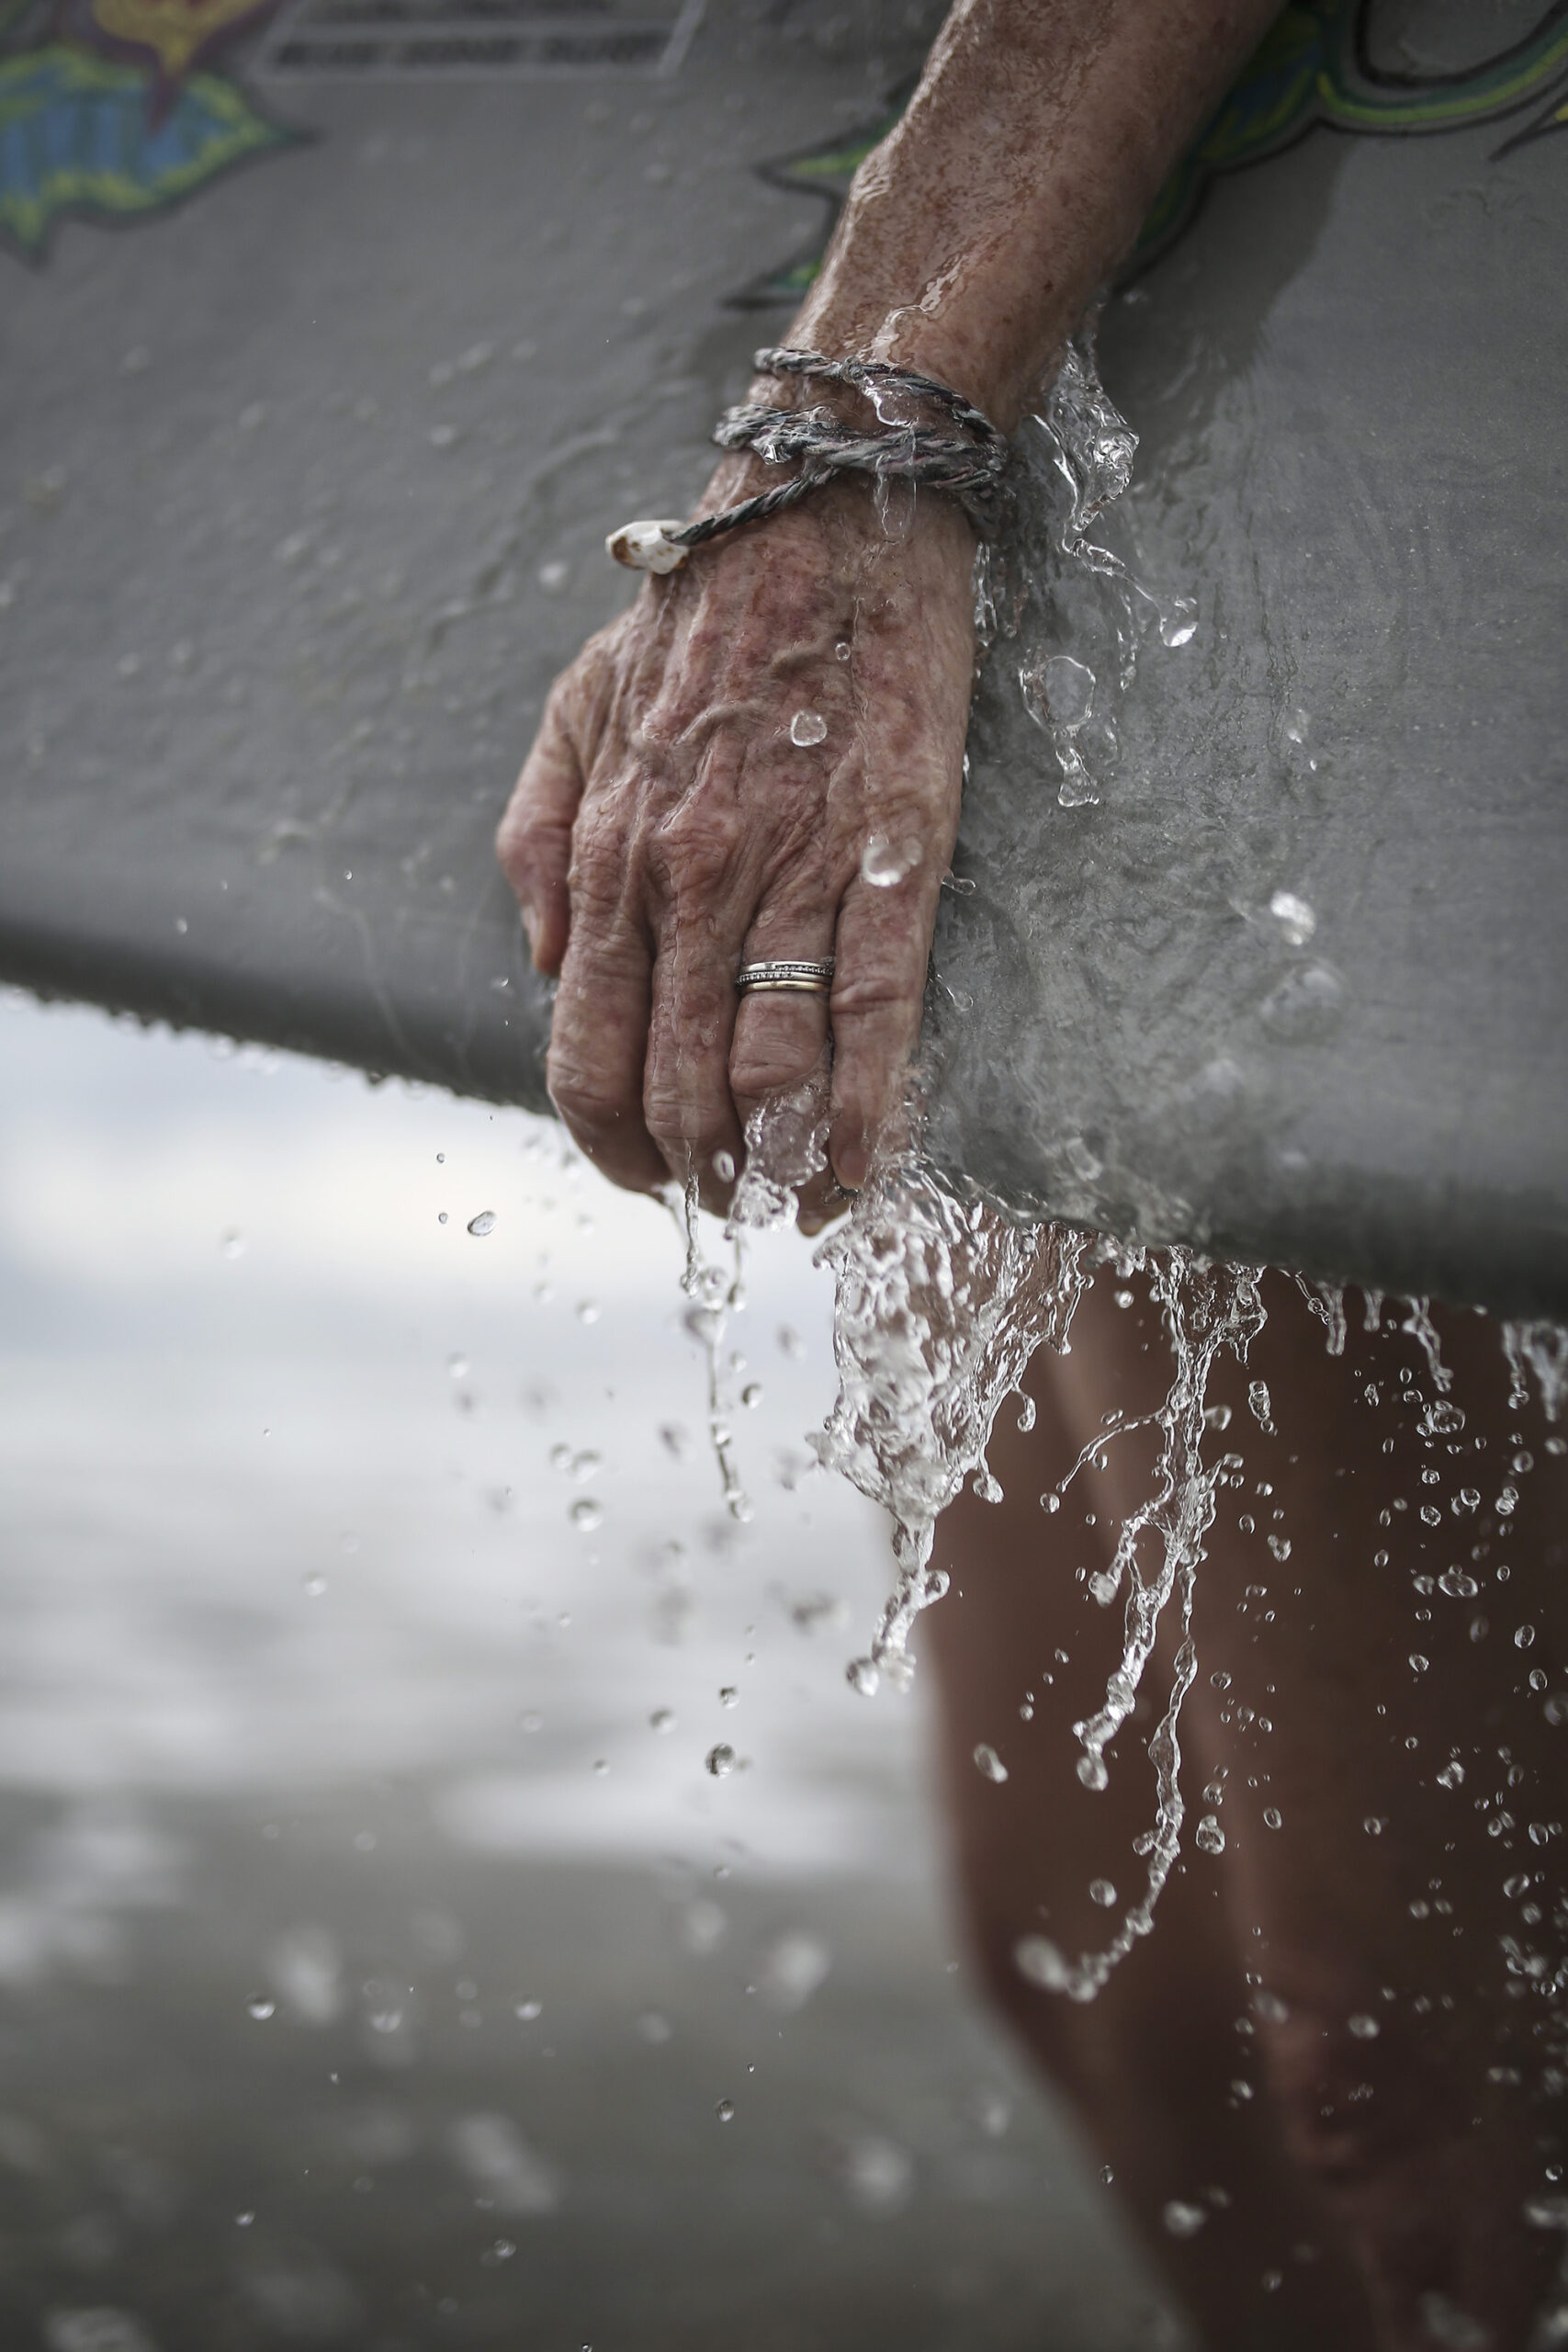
976	233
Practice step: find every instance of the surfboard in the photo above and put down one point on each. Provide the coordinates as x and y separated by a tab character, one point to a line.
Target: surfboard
337	337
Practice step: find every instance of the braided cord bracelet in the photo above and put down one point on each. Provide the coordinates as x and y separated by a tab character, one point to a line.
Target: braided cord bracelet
969	462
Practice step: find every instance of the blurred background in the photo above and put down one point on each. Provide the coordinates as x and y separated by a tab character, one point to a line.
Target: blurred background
380	1962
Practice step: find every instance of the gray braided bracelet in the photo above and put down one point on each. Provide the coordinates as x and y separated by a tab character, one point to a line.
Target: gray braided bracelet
970	462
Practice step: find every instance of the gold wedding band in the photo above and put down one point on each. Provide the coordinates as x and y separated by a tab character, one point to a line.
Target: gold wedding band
797	976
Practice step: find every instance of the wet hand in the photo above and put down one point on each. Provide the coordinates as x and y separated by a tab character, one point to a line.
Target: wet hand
761	759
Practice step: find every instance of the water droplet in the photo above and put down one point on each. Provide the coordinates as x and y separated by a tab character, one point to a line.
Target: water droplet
988	1764
885	863
1100	1891
1092	1773
1280	1546
1209	1837
1556	1710
315	1585
1365	2029
482	1224
864	1675
1457	1585
1272	1817
790	1342
724	1167
1374	1825
1181	2219
751	1394
720	1761
729	1696
1294	917
1419	1665
1524	1637
662	1719
807	727
1052	1502
1452	1775
587	1513
588	1310
261	2007
1305	1006
1068	690
528	2011
1178	622
1260	1407
725	2111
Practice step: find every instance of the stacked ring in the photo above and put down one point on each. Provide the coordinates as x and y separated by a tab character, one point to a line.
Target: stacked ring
796	976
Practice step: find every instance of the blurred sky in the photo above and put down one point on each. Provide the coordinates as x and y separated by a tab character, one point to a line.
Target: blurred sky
282	1487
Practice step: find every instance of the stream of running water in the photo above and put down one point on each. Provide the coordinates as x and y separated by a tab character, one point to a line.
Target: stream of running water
941	1298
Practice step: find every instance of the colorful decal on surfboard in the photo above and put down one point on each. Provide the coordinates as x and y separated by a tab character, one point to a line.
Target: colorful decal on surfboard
1312	67
117	113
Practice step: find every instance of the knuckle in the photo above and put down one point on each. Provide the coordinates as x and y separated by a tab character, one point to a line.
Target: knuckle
529	847
762	1066
697	849
879	989
682	1126
591	1101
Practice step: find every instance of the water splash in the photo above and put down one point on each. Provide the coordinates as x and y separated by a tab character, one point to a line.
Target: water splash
715	1293
1540	1348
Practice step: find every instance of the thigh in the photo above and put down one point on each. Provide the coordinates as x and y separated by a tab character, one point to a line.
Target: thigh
1361	1948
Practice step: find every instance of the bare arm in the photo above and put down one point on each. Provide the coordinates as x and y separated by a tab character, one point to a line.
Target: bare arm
665	827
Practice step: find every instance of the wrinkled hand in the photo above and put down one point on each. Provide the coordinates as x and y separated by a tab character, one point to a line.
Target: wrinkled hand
666	829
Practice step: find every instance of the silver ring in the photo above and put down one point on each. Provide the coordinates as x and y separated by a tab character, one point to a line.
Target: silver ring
800	975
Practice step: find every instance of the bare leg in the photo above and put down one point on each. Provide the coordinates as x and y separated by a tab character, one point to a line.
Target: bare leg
1392	2118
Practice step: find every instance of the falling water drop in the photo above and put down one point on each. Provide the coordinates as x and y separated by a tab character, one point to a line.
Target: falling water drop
1183	2221
482	1224
807	727
988	1764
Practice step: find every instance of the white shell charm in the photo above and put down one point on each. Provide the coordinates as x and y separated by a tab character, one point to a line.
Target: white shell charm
647	546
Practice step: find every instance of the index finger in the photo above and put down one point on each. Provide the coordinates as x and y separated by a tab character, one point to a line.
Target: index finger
534	840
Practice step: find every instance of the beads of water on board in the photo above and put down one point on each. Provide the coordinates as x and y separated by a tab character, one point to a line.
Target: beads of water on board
1181	2219
884	863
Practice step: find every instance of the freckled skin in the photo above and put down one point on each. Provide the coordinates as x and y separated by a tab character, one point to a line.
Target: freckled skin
664	827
